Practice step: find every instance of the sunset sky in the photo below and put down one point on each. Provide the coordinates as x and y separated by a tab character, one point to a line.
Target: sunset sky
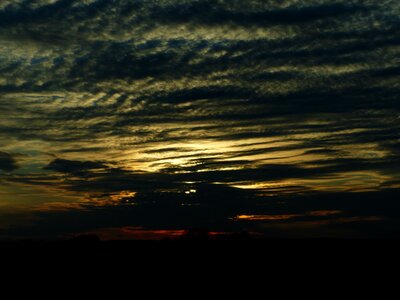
139	119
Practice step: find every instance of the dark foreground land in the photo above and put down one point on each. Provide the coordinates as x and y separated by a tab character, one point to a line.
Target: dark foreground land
258	244
231	255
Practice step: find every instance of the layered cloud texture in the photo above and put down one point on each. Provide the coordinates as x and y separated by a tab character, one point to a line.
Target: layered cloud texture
213	108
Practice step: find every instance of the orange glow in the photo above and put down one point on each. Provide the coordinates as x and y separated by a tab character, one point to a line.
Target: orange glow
265	217
135	233
318	213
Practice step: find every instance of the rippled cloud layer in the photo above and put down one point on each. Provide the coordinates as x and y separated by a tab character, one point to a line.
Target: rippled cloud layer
168	115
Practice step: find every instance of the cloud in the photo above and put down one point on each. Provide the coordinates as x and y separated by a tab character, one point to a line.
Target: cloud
73	167
217	12
7	162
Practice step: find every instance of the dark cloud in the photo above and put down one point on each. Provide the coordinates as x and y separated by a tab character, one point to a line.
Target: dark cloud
7	162
217	12
73	167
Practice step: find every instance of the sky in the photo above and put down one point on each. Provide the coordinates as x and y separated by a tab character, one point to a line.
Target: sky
142	119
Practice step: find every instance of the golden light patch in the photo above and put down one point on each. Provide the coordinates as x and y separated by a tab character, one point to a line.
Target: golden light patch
319	213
